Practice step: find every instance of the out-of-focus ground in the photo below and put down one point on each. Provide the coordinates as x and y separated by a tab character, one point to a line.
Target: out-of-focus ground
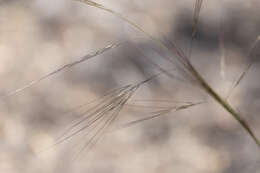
38	36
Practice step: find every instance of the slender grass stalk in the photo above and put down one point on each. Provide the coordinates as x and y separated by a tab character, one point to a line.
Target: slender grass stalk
158	114
186	64
244	72
60	69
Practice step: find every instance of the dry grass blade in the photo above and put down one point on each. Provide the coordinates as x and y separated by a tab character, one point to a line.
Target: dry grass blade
154	103
62	68
242	75
160	101
144	106
187	65
159	113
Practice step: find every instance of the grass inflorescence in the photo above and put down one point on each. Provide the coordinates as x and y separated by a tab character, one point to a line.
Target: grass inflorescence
60	69
184	60
104	111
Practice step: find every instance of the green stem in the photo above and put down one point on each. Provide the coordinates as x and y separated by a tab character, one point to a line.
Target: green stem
224	104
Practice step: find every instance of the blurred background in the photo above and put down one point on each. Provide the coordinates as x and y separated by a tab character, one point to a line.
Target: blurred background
38	36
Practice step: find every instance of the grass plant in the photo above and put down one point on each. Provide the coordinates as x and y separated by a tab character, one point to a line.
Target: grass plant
184	60
104	111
